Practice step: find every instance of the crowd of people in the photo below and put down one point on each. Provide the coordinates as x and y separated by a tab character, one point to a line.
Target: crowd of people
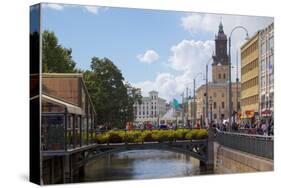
260	127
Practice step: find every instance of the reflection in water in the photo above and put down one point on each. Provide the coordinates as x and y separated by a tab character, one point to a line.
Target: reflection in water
141	164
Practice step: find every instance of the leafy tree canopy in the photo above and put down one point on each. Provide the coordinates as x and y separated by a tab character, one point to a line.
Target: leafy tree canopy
56	58
112	97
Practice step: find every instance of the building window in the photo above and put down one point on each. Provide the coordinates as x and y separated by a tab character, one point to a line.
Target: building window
270	66
271	43
263	48
222	104
263	65
271	80
262	82
222	94
215	116
215	105
224	76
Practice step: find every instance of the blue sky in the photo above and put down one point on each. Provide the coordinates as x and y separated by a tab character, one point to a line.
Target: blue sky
159	50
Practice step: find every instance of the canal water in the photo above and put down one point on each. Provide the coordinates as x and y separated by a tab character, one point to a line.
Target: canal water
141	164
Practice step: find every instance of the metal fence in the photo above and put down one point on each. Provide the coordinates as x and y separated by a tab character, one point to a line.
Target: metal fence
253	144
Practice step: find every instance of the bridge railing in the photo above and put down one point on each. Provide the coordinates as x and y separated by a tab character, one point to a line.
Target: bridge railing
254	144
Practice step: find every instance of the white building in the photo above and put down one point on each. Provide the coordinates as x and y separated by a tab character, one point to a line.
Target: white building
151	108
266	67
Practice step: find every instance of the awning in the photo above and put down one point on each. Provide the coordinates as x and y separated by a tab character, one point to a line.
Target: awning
266	112
70	107
246	117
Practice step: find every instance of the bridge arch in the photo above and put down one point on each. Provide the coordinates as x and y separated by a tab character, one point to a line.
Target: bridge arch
195	149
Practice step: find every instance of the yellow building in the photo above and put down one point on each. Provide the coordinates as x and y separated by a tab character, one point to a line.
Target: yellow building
250	77
218	101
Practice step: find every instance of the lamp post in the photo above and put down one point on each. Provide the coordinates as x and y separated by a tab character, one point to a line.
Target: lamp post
194	95
229	70
187	124
211	109
207	90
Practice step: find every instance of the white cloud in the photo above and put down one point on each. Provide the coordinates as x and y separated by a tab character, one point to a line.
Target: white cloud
148	57
209	23
92	9
168	85
202	23
54	6
190	55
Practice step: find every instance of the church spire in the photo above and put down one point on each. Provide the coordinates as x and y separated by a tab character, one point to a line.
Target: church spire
220	27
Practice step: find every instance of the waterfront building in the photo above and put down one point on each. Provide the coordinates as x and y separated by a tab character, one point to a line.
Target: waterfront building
67	112
266	73
250	78
151	108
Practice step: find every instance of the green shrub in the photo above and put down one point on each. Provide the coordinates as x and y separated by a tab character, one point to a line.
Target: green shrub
101	138
197	134
147	136
181	133
116	136
133	136
202	134
188	136
163	135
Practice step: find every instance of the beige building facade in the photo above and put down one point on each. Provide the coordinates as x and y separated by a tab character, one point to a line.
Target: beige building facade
250	77
218	101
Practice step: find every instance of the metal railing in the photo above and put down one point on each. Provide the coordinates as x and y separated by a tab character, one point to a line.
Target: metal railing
254	144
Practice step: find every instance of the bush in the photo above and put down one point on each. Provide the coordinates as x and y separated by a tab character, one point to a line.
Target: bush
133	137
101	138
147	136
188	136
202	134
163	135
116	136
181	133
197	134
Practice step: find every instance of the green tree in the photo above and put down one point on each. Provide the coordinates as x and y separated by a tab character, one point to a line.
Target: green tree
56	58
134	96
109	93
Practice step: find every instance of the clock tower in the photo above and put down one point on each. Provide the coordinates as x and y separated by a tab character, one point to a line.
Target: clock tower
220	58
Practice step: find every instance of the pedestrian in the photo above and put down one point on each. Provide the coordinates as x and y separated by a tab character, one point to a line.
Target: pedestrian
260	130
264	128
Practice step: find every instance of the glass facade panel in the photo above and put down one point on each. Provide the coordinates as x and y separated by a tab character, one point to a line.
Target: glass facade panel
53	132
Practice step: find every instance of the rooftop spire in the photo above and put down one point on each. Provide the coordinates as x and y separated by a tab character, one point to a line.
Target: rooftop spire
220	27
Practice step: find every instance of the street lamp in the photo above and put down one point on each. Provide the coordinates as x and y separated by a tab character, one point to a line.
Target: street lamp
211	109
207	89
229	70
194	95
